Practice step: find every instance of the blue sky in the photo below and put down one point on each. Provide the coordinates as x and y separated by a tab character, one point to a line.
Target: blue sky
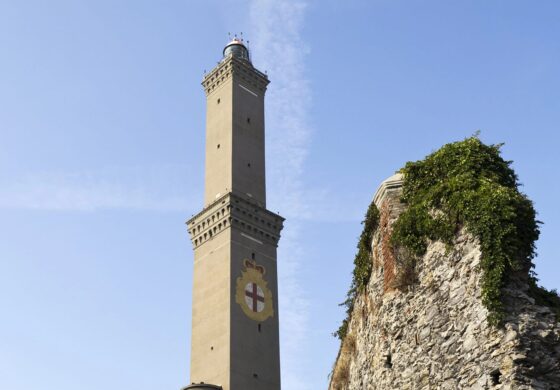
101	160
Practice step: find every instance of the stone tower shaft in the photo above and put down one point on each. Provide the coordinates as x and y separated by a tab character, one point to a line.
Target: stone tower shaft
235	335
235	159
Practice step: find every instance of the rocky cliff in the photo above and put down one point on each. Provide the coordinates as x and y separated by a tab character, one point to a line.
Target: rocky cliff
423	324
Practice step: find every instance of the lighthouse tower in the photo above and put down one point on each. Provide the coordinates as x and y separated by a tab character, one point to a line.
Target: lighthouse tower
235	342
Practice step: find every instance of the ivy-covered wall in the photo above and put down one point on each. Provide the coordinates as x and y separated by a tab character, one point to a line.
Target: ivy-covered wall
443	292
469	184
463	184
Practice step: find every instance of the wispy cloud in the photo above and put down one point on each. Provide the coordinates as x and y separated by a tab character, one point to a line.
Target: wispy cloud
279	49
157	188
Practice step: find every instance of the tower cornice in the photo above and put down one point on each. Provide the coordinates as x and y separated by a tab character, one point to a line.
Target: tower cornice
233	67
231	210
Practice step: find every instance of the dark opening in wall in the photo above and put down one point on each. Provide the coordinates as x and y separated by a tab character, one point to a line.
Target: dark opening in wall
496	377
255	375
259	328
249	165
248	120
253	256
388	361
218	100
218	147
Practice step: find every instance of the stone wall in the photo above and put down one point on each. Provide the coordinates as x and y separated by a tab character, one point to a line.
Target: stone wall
422	325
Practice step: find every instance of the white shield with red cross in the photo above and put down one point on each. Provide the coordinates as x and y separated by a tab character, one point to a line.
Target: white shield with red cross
252	292
254	297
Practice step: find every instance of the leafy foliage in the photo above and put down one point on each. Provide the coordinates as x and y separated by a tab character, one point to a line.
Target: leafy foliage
545	297
463	184
362	266
468	184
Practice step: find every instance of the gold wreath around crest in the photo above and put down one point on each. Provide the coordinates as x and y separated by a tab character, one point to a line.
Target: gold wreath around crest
252	275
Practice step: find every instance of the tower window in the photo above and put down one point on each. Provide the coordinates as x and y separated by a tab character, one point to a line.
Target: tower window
249	165
253	256
259	328
218	147
218	100
248	120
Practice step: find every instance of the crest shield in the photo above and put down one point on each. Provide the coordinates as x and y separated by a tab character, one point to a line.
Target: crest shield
252	292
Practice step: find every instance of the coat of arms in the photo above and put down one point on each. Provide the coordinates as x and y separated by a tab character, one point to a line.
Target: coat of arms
252	293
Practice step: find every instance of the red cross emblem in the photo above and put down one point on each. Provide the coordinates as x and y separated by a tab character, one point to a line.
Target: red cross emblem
252	293
254	297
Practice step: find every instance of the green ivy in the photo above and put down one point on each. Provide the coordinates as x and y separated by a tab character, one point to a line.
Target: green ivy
362	266
545	297
463	184
469	184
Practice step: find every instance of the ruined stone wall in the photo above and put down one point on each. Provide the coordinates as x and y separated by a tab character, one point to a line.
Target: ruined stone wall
422	325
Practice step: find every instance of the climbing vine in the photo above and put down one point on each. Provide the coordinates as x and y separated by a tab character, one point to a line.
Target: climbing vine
544	297
464	184
362	266
469	184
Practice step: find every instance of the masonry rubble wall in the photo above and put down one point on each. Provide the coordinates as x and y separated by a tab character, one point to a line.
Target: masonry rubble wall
427	329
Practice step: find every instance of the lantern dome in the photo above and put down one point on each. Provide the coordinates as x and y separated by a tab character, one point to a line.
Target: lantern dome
237	49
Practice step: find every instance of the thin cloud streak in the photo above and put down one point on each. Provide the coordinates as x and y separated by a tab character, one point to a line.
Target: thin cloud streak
156	188
278	48
149	188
